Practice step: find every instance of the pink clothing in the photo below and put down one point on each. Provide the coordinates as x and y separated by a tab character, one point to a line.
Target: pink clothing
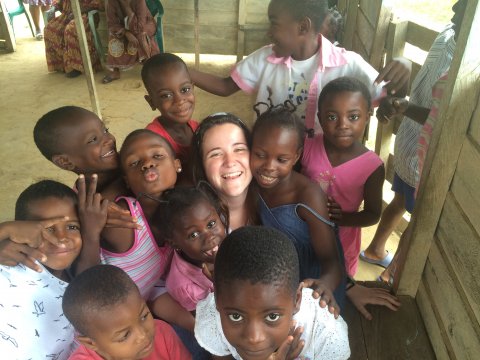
186	283
345	183
180	150
167	346
144	262
262	70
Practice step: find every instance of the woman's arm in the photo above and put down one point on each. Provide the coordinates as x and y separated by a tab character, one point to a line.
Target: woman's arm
372	207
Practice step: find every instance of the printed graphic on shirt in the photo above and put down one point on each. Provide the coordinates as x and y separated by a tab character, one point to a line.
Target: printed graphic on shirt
298	94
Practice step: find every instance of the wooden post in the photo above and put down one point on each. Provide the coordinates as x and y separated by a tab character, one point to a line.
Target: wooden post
87	63
196	34
6	29
396	38
351	23
456	109
242	17
378	45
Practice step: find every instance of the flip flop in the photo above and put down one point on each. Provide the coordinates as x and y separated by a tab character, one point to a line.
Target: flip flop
108	79
383	263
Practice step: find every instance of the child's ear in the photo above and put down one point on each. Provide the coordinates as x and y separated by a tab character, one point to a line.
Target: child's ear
178	165
304	26
298	154
149	101
63	162
87	341
298	298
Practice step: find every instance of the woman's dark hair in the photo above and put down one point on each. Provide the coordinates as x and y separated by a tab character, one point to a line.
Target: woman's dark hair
176	201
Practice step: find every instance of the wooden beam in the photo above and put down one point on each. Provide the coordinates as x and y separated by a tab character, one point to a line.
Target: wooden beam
351	23
378	46
461	96
87	62
6	29
196	33
242	19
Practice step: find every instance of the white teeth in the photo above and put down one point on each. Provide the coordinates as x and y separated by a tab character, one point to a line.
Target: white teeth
267	178
232	175
108	153
212	251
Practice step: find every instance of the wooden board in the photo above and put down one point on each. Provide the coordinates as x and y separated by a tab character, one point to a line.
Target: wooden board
466	182
462	333
461	255
420	36
355	332
437	336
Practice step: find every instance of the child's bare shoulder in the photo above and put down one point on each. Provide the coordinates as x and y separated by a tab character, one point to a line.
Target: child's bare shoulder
308	190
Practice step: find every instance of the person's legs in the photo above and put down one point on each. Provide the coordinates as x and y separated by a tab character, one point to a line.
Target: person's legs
111	75
391	217
35	12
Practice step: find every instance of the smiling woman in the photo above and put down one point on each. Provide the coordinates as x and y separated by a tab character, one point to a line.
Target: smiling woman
222	147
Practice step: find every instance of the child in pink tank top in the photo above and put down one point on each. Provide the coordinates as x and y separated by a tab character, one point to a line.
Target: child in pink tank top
346	170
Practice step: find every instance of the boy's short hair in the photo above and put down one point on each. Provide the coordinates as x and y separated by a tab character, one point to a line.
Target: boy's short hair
257	254
342	84
160	61
39	191
315	10
97	289
47	130
139	132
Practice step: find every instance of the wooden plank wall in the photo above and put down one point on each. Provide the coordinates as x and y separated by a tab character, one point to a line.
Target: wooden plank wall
218	26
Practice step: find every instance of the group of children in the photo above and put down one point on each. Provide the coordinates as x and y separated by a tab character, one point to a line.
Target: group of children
240	291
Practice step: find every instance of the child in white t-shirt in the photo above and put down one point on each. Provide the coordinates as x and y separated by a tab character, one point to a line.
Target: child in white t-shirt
259	310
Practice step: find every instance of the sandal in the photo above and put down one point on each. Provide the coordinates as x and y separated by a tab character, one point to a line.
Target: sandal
73	74
39	36
109	78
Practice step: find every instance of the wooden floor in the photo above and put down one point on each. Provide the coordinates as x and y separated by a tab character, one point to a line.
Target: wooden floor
390	335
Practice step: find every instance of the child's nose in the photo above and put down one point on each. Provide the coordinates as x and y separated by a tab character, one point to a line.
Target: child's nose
254	333
147	164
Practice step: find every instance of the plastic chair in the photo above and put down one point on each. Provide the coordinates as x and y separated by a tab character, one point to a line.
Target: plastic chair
18	11
96	37
156	9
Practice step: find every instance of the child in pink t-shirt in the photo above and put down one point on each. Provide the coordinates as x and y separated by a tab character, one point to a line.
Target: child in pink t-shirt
170	90
194	222
345	169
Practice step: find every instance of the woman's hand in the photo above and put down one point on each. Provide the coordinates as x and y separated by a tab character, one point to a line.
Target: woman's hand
322	292
131	38
360	296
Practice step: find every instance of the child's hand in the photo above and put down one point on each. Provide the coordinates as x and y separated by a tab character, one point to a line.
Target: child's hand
322	292
92	209
291	347
360	296
120	218
397	73
207	270
334	210
34	233
390	106
12	254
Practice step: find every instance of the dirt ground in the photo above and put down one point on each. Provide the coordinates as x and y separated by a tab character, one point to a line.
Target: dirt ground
27	91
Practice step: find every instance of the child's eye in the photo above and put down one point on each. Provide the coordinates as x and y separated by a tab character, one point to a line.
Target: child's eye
134	163
354	117
194	235
332	117
73	227
211	224
124	337
145	316
235	317
92	140
282	160
50	229
158	156
272	317
166	96
186	89
106	131
259	155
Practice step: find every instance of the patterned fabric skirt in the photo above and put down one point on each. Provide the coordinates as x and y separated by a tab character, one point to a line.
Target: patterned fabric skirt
38	2
62	48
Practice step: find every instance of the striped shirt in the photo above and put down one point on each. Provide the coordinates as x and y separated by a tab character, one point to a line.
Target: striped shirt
405	161
144	262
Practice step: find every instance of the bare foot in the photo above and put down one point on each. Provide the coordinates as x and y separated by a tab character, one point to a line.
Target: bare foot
111	76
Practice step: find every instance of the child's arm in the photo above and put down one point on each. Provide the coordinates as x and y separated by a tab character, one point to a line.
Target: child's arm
323	242
166	308
372	206
391	106
92	211
19	240
213	84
